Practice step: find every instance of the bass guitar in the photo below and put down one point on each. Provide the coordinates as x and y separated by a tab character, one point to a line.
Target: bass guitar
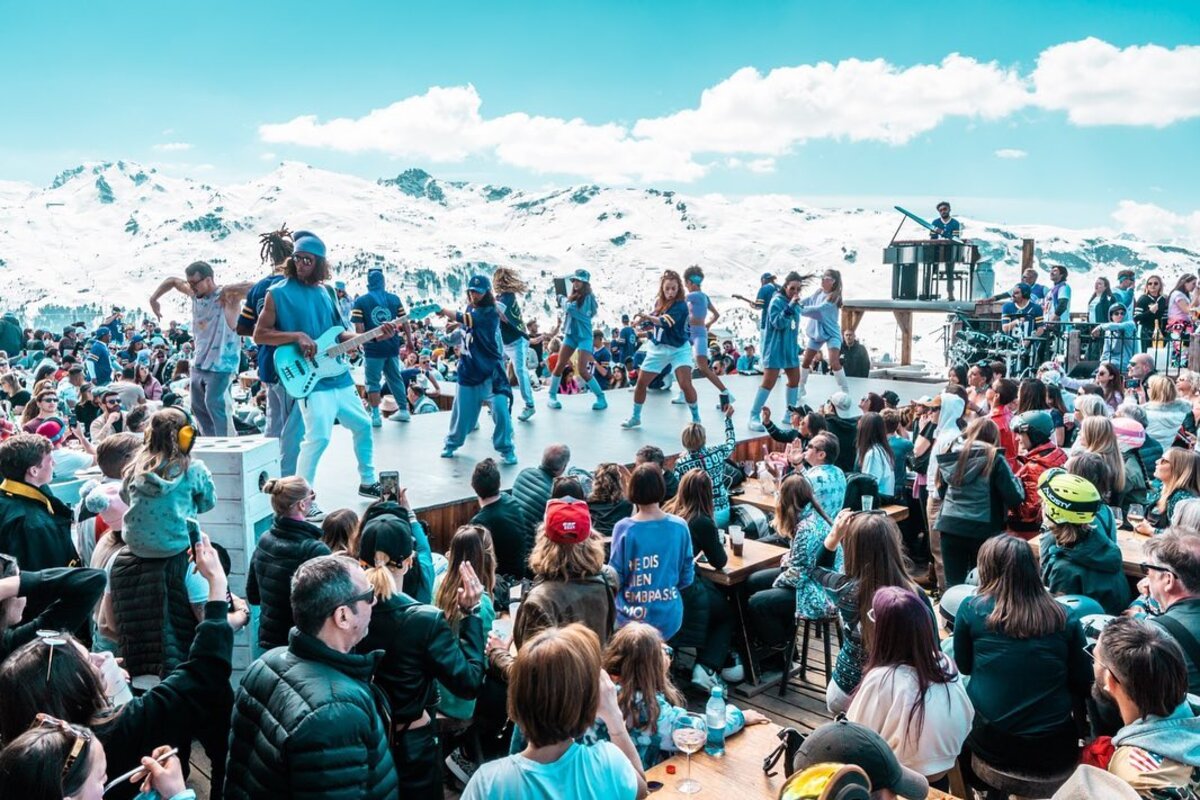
300	374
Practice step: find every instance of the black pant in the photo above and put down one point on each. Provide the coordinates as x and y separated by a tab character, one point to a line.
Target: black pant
912	529
772	611
959	554
702	598
418	756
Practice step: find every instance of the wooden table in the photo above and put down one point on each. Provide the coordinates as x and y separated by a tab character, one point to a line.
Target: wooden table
1132	552
755	556
738	773
762	498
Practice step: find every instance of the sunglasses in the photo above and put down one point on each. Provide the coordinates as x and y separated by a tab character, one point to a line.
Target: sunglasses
48	400
112	401
1147	567
53	640
366	596
304	258
81	735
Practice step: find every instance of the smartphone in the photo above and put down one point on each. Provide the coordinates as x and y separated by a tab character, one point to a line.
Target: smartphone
72	420
389	482
560	287
193	529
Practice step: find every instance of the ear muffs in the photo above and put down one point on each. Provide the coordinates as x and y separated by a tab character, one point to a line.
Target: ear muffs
186	437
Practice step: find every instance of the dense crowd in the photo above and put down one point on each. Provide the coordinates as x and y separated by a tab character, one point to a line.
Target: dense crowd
552	649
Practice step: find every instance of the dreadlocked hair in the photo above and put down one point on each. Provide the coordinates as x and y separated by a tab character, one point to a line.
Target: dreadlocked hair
276	245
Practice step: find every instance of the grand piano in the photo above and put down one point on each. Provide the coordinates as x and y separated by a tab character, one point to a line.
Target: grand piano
924	269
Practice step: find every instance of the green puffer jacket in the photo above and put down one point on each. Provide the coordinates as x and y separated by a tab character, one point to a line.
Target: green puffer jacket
1091	567
307	723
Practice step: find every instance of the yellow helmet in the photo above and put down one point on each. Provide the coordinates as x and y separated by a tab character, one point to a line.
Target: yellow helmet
1067	498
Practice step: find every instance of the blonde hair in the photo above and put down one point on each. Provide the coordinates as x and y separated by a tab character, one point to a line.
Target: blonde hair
1096	435
285	493
505	279
379	575
1184	475
1161	389
694	437
161	454
552	561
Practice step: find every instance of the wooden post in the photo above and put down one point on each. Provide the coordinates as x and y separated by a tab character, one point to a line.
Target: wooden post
1026	254
904	323
851	317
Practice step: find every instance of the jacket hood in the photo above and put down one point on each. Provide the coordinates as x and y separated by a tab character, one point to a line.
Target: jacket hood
375	282
952	409
356	665
948	463
295	529
152	484
1094	552
836	423
1176	737
1046	455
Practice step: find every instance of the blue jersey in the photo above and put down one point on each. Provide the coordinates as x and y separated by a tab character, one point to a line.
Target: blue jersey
579	319
482	357
101	360
372	310
248	319
629	342
822	315
950	229
601	356
1030	315
781	347
670	329
763	301
512	327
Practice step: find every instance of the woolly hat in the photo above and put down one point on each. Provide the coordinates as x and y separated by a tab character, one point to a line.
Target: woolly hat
104	500
1068	498
568	521
54	429
1129	432
306	242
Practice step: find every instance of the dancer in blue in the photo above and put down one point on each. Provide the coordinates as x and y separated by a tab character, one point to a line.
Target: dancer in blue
823	310
580	308
382	356
481	374
702	315
781	347
667	346
508	285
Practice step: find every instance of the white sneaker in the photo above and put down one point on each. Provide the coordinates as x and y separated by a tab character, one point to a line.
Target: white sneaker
528	412
756	426
734	673
679	400
632	422
704	678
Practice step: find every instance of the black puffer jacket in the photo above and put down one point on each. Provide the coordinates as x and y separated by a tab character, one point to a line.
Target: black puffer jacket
154	619
307	723
280	552
531	490
69	596
419	648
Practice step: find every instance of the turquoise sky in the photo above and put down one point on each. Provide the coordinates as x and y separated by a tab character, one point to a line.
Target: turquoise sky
102	80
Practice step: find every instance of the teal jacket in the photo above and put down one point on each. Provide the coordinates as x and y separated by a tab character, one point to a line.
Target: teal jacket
155	525
1092	567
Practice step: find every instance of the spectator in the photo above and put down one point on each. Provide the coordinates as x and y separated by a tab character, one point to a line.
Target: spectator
1096	435
900	446
607	502
1034	431
780	597
855	360
1164	410
873	559
1076	558
1026	662
571	582
531	489
841	420
911	694
35	526
977	489
1151	311
649	454
418	583
68	460
1095	470
339	531
652	557
471	544
1179	473
1172	582
289	543
1142	671
100	357
306	719
54	675
151	388
1112	384
128	388
845	742
1000	399
44	408
111	419
804	425
67	597
707	618
748	362
556	693
1090	405
502	515
711	460
873	454
1120	337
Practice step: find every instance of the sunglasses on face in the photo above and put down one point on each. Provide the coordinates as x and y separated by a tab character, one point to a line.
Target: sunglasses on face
113	401
48	400
304	258
1148	567
366	596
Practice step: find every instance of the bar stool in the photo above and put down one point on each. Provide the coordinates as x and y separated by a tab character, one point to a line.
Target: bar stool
821	628
1002	783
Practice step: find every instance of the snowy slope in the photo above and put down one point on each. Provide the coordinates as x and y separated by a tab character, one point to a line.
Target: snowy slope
107	233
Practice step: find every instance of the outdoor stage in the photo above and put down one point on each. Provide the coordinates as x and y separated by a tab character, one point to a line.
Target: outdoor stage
440	488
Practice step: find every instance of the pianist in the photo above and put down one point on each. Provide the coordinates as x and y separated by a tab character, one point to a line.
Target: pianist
945	226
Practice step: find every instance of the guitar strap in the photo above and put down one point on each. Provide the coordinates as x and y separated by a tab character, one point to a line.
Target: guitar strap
1181	635
337	311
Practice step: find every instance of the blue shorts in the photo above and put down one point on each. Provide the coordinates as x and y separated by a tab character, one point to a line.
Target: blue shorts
659	357
699	338
832	344
584	344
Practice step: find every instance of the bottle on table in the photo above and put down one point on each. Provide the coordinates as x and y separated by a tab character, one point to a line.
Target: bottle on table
714	713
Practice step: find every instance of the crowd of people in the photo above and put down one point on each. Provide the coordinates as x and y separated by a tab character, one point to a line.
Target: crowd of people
557	643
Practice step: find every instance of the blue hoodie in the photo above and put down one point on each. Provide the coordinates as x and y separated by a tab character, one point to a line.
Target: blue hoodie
1168	765
653	560
373	309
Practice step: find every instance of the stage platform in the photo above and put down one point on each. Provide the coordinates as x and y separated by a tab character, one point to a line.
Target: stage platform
440	488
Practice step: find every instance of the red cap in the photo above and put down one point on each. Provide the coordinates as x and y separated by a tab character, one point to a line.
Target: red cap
568	520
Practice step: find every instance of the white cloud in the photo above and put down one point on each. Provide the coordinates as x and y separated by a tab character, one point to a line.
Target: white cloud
267	156
855	100
761	165
1097	83
173	147
1009	152
1155	223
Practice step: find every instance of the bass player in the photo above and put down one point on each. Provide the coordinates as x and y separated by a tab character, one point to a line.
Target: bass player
297	311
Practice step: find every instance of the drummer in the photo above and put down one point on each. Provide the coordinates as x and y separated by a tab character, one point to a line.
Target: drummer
1022	318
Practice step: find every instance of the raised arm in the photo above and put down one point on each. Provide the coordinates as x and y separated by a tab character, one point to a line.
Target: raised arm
178	284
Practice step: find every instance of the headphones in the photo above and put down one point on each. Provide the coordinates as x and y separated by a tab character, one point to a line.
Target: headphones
185	437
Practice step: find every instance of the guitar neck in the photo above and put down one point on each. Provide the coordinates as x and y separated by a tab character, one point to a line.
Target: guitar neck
341	348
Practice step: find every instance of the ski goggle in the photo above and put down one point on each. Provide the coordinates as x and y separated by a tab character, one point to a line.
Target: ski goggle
827	782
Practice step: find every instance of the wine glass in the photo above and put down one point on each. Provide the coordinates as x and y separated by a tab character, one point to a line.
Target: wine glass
1135	515
689	735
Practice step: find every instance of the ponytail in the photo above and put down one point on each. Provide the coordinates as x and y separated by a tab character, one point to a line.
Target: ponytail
379	576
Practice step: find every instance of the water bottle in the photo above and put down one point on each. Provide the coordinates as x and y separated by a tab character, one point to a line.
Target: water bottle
714	713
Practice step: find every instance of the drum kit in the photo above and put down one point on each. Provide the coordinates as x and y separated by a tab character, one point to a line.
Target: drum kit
1019	353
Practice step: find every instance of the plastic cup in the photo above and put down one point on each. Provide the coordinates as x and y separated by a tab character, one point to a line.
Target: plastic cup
868	502
737	538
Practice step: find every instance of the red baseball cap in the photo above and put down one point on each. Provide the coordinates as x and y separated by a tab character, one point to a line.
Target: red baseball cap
568	521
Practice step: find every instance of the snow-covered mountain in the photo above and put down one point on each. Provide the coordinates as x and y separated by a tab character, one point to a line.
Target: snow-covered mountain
104	234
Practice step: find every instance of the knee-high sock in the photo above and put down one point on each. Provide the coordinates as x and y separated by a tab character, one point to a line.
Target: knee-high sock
793	395
554	382
840	376
803	376
695	409
760	400
637	410
594	387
